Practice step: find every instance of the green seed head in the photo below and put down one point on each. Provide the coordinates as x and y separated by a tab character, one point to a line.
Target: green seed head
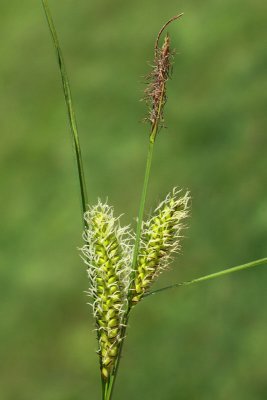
107	254
159	240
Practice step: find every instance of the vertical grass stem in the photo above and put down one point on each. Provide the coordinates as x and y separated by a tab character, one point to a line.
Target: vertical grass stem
143	201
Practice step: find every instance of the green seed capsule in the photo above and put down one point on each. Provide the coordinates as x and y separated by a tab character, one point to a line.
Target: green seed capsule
104	352
113	333
116	297
105	307
102	260
113	289
105	372
114	351
106	361
104	337
110	314
113	245
112	280
113	322
138	288
100	288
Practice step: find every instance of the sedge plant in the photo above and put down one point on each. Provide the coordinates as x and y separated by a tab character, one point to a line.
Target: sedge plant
122	265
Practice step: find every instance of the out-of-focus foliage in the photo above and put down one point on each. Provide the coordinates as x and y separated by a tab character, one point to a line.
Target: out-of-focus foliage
202	342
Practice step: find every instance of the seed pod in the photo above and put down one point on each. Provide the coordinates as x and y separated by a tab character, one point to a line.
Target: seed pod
160	238
106	253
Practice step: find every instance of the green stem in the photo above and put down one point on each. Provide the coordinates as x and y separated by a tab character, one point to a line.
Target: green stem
104	388
227	271
142	202
70	110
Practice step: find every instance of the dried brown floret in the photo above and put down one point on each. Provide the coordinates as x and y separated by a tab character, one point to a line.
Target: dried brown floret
155	93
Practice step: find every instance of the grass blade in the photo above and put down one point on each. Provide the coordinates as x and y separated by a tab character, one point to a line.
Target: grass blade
227	271
70	110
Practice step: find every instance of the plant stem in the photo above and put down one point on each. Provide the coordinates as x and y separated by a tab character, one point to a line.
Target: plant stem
227	271
70	110
143	201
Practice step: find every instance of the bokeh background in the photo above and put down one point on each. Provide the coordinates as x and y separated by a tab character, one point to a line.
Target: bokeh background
202	342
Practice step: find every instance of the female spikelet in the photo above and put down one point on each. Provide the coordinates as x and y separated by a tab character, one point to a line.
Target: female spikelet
106	253
160	239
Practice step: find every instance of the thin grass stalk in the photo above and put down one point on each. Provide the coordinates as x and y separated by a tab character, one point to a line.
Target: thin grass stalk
143	202
252	264
70	110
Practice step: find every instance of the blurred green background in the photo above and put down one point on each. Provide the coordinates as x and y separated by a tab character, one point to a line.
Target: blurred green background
202	342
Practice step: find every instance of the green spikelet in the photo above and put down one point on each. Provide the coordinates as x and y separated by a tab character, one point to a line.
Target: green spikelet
160	238
107	256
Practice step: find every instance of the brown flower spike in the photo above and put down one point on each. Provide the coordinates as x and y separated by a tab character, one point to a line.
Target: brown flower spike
155	93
